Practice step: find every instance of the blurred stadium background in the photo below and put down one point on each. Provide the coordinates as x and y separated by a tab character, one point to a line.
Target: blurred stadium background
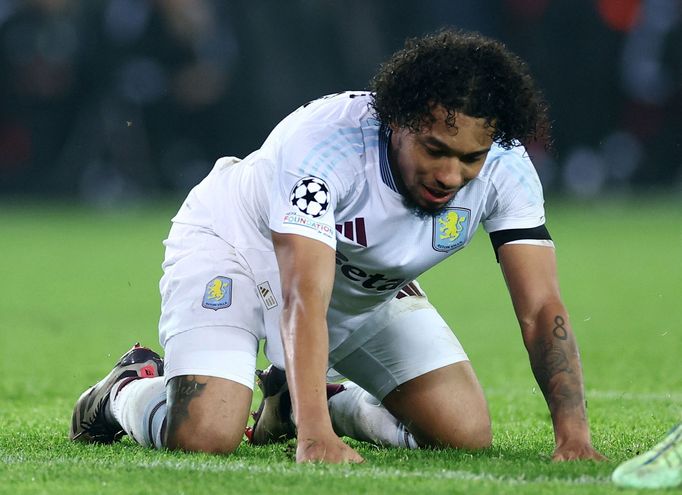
112	102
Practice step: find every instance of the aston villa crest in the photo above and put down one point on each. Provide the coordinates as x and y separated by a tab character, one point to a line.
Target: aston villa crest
451	229
218	293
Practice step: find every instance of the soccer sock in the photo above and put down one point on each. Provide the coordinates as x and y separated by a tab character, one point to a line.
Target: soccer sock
357	414
139	406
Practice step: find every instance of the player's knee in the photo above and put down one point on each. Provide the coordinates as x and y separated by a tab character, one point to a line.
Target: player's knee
200	419
472	433
197	436
478	435
476	432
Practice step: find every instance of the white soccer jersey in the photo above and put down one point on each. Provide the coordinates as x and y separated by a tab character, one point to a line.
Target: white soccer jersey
323	173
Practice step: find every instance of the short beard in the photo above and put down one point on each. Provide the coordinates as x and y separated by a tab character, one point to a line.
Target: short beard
419	211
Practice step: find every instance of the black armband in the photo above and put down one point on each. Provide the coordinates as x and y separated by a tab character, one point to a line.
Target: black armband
501	237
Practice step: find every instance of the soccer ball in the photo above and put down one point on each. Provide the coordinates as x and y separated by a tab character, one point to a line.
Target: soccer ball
311	196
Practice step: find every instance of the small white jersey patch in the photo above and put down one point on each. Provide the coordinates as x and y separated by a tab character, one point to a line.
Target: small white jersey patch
266	294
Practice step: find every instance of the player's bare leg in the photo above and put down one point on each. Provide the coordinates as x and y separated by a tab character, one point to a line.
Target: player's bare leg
444	408
460	421
206	414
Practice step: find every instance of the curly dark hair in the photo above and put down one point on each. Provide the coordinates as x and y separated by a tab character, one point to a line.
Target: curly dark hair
464	72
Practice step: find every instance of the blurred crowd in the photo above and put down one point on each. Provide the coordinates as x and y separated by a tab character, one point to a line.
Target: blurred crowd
115	100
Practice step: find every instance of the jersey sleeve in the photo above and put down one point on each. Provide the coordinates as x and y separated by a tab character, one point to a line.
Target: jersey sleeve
517	201
517	214
313	176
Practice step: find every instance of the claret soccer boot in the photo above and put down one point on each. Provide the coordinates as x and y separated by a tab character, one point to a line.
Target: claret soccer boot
272	420
91	421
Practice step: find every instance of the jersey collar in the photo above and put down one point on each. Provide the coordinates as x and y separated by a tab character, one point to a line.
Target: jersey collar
384	165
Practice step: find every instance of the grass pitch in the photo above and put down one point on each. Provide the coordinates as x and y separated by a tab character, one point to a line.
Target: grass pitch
78	287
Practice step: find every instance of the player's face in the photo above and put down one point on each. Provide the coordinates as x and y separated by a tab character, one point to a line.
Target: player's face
434	164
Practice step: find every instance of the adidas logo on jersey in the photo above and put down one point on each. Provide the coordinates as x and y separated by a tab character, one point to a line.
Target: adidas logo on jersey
354	230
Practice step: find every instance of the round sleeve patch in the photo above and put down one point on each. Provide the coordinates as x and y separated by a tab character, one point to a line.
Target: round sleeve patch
311	196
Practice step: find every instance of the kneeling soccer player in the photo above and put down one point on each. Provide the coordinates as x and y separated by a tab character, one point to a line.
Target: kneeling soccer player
313	242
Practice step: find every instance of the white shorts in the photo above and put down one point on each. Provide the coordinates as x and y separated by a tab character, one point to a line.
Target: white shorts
206	283
414	341
222	352
213	314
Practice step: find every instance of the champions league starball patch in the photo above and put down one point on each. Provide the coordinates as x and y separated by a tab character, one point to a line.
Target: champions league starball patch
218	293
311	196
450	229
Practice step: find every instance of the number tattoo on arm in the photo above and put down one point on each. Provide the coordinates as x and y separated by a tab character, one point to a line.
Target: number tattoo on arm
557	368
559	331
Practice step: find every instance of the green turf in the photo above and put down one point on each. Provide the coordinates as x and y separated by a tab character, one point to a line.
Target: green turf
77	287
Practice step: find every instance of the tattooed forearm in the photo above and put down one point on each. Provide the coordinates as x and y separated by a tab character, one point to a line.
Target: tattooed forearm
553	360
555	363
559	330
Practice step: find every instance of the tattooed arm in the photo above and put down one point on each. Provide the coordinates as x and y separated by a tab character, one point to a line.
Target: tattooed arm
530	273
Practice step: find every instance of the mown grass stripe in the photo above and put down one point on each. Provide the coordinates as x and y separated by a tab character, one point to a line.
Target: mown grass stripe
600	394
337	471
